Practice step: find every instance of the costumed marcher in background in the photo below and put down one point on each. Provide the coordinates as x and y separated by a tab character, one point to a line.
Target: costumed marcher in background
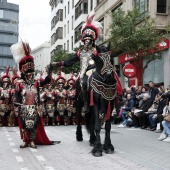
14	114
71	92
27	98
60	99
89	35
5	98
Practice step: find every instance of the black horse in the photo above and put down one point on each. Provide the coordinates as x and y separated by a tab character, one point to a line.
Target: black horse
102	92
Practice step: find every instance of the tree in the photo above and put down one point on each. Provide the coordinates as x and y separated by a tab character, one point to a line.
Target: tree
61	55
136	35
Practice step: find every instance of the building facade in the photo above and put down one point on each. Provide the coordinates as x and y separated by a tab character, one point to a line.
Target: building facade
157	9
67	18
9	19
42	56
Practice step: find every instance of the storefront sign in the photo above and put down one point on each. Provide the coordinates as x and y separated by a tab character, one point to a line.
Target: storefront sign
129	70
163	45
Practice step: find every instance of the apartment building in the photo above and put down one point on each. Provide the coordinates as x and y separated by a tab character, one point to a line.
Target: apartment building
157	9
9	19
67	17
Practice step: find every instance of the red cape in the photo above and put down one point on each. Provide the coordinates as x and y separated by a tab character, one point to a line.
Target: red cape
41	137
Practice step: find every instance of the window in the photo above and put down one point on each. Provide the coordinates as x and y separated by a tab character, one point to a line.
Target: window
142	6
59	15
85	8
68	6
65	11
78	11
101	33
72	21
68	27
59	47
77	34
59	33
72	43
57	2
64	46
67	45
91	5
53	22
53	38
161	6
1	14
72	3
64	30
99	1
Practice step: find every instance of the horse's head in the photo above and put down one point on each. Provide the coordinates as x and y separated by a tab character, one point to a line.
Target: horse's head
104	62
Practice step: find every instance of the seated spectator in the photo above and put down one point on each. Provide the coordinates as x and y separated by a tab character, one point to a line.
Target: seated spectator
139	115
165	136
139	96
125	109
157	116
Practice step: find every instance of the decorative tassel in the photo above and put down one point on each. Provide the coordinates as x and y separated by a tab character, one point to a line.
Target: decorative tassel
107	117
91	98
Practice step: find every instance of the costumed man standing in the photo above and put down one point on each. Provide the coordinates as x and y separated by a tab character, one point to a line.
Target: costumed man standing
89	35
60	99
71	92
27	99
5	98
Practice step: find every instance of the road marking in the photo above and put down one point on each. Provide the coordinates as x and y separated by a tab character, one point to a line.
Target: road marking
74	130
33	150
17	132
133	129
15	150
19	159
49	168
47	130
9	138
24	168
12	144
40	158
7	134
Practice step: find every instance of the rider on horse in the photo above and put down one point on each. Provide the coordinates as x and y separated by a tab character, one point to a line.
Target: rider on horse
89	35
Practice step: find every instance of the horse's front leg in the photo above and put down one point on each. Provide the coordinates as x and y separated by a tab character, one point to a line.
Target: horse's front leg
108	147
98	149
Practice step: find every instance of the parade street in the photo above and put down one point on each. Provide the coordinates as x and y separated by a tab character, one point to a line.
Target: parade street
134	149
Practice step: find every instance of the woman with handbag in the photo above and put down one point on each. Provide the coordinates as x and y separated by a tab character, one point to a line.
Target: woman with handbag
165	136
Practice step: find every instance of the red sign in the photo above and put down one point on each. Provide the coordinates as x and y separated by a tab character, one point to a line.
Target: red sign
163	45
129	70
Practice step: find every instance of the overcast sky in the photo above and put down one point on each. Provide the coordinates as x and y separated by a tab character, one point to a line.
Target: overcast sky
34	21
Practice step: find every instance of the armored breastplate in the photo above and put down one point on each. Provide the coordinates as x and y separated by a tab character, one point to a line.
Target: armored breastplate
30	96
85	61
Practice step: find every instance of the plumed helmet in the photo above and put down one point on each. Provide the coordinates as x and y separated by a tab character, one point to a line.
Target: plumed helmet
15	76
60	78
5	77
21	54
90	29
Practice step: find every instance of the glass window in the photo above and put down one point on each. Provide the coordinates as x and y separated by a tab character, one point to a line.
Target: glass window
85	8
72	22
72	3
68	7
59	33
67	45
72	43
68	27
65	11
1	14
161	6
152	73
142	6
91	5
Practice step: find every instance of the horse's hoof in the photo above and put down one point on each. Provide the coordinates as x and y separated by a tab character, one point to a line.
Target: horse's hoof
97	154
109	151
79	139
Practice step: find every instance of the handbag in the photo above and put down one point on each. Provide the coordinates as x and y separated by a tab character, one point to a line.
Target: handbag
167	118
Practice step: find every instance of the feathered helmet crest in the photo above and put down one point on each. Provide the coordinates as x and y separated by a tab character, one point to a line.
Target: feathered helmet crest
90	29
71	80
6	77
21	54
15	76
60	78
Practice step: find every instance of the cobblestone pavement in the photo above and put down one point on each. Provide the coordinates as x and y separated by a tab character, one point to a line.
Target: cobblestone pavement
134	149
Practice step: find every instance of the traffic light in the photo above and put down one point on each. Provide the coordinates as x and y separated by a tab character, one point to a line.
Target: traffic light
117	69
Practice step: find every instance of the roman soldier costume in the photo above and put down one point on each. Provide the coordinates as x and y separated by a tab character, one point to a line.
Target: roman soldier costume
27	99
71	92
89	35
60	97
5	98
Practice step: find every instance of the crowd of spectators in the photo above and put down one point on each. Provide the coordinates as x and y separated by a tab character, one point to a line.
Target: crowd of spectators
145	108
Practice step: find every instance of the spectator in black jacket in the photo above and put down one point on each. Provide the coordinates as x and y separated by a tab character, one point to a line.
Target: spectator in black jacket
140	119
153	91
157	117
